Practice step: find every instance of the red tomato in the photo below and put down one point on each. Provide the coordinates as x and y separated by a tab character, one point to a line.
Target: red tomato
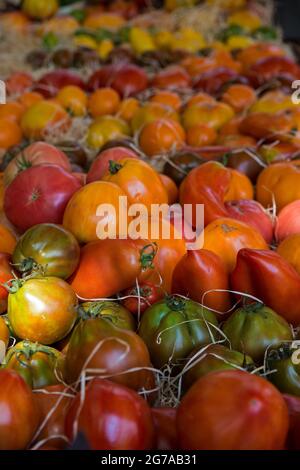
126	79
149	294
19	417
50	83
288	221
112	417
232	410
38	195
165	428
100	165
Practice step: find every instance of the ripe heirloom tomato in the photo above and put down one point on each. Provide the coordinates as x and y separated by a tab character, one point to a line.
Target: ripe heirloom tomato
232	410
51	82
109	352
254	328
42	309
214	358
80	216
126	79
138	180
19	415
100	165
49	246
38	10
214	114
226	237
139	299
160	136
239	97
37	153
111	417
55	399
42	117
165	428
173	76
150	112
289	249
39	365
172	328
117	314
240	187
265	125
288	221
170	187
38	195
284	371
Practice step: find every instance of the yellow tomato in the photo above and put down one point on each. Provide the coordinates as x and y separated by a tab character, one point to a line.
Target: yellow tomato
83	40
104	129
104	48
40	9
246	19
141	40
73	99
43	116
163	39
238	42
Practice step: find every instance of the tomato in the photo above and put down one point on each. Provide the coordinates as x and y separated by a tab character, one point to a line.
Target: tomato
232	410
49	246
214	114
100	165
240	187
173	76
106	128
138	180
170	187
151	112
212	81
38	195
287	222
161	136
80	216
239	97
51	82
42	309
138	298
39	9
37	153
111	266
43	118
6	274
180	165
54	399
99	348
38	365
7	239
111	417
117	314
165	428
19	417
265	125
289	250
244	163
284	371
126	79
213	358
226	237
198	272
255	328
172	328
4	336
270	68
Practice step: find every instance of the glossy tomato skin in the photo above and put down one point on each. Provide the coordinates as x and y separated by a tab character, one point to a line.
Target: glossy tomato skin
127	79
117	314
17	430
39	195
214	358
285	371
97	344
112	417
38	365
42	310
232	410
139	299
165	428
173	327
50	246
60	397
100	165
254	328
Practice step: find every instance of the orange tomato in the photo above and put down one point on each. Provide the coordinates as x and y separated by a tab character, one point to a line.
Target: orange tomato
200	97
103	101
167	98
226	237
171	188
127	109
10	133
161	136
15	21
151	112
239	97
213	114
4	335
12	110
43	117
29	98
73	99
98	19
18	82
200	135
257	51
240	187
289	249
195	65
7	240
279	183
231	127
138	180
81	217
236	141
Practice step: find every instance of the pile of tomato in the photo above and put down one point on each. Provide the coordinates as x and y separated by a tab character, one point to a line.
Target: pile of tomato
139	343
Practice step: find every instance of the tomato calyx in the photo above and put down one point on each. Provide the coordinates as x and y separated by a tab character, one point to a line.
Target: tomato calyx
147	255
95	311
23	163
252	307
284	351
175	303
28	349
29	267
114	167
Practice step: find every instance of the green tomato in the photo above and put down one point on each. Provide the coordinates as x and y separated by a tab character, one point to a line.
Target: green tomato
284	368
111	311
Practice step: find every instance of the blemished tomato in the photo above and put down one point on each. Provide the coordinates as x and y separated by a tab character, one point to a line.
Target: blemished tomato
55	399
111	417
19	415
138	180
232	410
226	237
39	365
283	368
39	195
37	153
42	309
100	165
49	246
139	298
80	216
97	347
165	428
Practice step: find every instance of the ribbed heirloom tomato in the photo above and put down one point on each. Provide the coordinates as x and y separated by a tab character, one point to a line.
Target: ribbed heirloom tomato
160	136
